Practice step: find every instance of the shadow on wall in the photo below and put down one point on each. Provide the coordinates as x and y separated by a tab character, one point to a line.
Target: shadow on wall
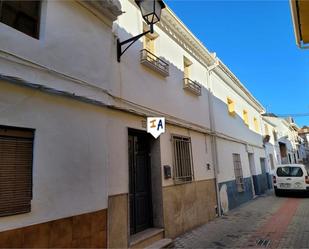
166	95
145	87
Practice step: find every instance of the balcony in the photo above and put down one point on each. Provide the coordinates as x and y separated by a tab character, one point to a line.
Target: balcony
192	86
148	59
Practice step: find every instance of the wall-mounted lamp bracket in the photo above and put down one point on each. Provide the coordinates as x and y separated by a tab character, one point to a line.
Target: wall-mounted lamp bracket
132	40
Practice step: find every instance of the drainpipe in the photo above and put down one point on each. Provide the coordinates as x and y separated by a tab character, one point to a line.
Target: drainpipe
213	133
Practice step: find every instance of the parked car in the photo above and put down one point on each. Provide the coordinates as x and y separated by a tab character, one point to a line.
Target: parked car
290	178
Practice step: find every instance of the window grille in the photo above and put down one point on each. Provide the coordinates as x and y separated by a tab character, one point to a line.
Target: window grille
238	173
183	165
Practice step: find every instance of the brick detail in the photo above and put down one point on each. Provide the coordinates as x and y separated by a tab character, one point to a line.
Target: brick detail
81	231
276	226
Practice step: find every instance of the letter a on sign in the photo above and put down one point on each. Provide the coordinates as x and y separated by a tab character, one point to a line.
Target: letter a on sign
156	126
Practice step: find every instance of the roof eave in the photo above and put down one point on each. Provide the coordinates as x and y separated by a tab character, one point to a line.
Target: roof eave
295	18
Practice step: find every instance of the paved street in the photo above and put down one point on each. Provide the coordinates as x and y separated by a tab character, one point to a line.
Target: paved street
266	222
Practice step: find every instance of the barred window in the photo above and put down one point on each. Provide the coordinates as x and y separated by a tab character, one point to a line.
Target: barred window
16	146
21	15
238	173
182	159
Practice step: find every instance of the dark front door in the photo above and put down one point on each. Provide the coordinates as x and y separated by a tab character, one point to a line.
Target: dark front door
140	182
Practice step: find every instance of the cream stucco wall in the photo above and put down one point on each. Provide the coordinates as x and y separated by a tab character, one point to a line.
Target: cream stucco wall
155	92
234	125
225	154
118	171
285	132
271	147
72	41
201	153
241	139
81	150
69	156
73	56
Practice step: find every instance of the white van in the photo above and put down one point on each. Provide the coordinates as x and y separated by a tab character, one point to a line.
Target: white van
290	177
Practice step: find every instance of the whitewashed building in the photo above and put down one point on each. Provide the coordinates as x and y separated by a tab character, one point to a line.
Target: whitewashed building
91	174
55	64
290	146
239	141
163	74
75	118
304	134
271	144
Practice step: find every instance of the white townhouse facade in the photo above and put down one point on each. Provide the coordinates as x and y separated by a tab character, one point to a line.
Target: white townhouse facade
302	150
74	120
239	143
55	64
162	75
290	146
91	176
299	143
304	134
271	144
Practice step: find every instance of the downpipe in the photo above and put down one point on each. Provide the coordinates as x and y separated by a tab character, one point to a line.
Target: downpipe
213	139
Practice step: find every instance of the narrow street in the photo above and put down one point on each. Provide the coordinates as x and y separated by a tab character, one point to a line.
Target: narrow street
266	222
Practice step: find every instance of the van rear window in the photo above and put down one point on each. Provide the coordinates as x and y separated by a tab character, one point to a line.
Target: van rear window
289	172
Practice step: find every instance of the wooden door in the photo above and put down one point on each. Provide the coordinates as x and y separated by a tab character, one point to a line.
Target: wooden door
140	182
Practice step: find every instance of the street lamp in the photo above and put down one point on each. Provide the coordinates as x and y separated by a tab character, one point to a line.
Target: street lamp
151	13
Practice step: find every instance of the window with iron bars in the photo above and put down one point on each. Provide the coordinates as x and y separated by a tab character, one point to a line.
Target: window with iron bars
238	173
183	165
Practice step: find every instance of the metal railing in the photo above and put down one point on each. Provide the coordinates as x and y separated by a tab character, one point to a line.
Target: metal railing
192	86
154	62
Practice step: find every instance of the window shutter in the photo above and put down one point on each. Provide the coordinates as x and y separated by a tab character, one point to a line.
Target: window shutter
16	149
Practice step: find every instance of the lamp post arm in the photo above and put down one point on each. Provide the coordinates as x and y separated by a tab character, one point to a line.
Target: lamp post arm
132	40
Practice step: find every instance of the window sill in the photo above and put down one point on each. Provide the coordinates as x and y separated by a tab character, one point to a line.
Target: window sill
178	182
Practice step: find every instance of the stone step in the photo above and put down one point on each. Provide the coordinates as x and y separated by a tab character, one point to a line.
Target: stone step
163	243
145	238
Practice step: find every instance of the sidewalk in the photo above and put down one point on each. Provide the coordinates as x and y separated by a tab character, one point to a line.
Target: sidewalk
240	228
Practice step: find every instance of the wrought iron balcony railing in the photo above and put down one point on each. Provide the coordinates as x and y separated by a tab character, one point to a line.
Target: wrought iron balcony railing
150	60
192	86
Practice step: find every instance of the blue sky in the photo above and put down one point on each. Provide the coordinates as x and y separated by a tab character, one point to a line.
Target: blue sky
255	39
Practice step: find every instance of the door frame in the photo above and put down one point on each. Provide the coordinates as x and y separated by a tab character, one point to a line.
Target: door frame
141	133
252	168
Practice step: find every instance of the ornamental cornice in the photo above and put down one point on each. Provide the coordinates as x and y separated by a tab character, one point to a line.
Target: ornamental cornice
109	9
171	25
253	101
177	30
265	119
